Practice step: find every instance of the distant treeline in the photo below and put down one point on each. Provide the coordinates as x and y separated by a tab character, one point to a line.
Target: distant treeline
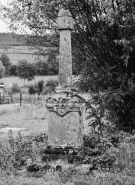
40	68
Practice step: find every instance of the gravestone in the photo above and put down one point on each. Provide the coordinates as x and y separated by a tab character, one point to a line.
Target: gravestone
65	109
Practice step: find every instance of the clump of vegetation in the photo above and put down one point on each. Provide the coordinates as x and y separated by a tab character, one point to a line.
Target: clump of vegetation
25	70
6	62
113	161
36	88
50	87
15	155
15	88
52	83
32	89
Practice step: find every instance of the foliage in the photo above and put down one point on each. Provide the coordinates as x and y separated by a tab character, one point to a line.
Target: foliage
15	88
25	70
6	62
41	68
121	108
32	89
40	86
36	88
13	70
46	68
52	83
19	150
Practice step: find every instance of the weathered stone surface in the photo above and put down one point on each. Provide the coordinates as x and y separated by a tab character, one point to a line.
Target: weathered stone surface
65	130
65	59
65	25
65	20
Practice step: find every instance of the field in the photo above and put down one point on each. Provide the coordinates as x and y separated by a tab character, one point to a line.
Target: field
10	80
15	47
9	39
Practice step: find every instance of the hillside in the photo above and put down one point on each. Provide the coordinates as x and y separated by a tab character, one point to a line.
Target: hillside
11	39
16	48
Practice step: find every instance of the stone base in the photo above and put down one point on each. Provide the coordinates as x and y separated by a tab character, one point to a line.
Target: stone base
65	119
68	153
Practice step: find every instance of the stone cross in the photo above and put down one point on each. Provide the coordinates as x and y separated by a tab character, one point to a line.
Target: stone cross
65	115
65	26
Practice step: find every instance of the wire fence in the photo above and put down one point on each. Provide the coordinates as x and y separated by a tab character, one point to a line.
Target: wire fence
21	98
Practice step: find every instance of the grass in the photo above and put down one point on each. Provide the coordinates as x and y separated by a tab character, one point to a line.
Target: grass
32	118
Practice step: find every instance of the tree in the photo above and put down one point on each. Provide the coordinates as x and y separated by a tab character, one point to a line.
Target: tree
25	70
41	68
13	70
6	62
103	43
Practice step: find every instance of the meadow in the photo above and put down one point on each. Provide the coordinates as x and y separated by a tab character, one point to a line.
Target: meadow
10	80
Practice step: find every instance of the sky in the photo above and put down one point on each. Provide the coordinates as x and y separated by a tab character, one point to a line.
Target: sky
3	25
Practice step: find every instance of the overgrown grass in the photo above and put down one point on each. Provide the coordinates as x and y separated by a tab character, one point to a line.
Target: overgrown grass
35	119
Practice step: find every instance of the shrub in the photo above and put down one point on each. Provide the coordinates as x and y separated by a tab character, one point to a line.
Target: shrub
15	154
32	89
52	83
13	70
40	86
36	88
121	108
15	88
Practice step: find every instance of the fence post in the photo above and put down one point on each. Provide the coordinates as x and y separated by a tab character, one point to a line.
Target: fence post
3	99
20	98
11	98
